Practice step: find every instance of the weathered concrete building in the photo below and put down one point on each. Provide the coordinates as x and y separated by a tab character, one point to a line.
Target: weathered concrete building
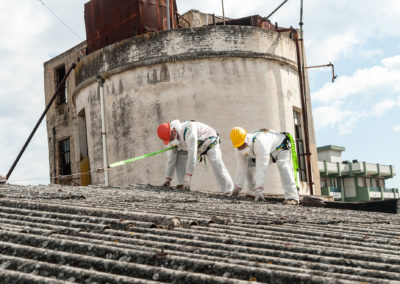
224	76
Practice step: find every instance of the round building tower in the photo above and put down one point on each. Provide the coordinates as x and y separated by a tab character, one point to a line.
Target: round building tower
224	76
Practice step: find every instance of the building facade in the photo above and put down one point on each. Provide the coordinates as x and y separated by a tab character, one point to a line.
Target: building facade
224	76
353	180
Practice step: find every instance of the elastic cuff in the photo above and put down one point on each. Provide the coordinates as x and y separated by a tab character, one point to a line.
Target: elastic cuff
189	175
168	179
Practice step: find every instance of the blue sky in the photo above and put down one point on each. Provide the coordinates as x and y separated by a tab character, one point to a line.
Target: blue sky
360	111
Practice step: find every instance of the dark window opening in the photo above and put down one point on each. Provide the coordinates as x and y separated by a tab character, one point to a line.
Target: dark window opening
300	146
62	94
324	182
65	157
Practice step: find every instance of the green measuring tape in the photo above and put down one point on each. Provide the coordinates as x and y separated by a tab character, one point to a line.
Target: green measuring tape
124	162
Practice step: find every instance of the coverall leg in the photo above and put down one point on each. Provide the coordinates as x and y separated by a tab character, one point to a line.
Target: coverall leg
214	156
181	161
251	177
285	166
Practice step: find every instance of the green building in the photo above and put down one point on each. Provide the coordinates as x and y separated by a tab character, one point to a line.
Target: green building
353	180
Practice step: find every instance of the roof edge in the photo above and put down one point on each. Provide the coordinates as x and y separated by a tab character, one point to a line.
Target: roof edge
331	147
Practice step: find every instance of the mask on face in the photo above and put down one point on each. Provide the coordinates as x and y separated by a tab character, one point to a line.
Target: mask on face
175	142
245	151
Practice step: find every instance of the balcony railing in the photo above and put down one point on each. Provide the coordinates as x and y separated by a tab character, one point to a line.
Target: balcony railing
359	168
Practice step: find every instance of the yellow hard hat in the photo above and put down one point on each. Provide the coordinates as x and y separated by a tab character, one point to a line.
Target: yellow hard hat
238	135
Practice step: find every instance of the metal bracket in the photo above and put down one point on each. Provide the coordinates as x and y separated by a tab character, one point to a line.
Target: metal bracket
327	65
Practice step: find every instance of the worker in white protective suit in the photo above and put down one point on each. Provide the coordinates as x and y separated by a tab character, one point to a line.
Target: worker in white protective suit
194	141
254	151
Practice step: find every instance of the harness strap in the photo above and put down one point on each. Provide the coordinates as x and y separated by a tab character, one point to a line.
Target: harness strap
186	130
217	140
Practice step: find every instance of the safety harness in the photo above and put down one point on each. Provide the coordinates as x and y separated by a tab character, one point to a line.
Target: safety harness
216	140
287	144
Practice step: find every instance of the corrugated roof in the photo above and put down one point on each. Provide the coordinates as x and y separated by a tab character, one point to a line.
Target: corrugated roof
140	234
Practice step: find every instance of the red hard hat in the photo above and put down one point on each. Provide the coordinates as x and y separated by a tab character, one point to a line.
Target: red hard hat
164	132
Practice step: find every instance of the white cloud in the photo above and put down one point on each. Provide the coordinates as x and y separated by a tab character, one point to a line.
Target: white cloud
334	46
380	108
23	23
368	54
370	92
339	115
396	128
374	80
392	63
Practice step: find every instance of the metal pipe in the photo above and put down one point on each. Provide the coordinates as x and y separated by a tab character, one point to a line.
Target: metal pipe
303	108
266	18
61	85
54	155
334	76
168	17
100	81
223	12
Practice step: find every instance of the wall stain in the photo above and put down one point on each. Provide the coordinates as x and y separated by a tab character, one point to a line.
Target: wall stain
121	87
155	76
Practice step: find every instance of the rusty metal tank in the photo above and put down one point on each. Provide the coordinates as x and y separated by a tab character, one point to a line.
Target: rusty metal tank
110	21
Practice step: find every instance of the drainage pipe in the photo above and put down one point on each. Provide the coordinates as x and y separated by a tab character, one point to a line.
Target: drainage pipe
100	81
223	12
168	17
54	155
61	85
303	107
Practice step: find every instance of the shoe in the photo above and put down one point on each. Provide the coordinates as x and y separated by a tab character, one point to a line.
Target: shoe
290	201
235	192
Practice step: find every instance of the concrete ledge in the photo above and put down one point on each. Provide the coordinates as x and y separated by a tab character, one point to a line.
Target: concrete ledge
185	44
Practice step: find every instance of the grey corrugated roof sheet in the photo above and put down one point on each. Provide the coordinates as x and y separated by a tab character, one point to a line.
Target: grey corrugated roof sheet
144	234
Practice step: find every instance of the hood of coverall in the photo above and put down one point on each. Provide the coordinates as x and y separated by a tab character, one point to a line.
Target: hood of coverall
177	125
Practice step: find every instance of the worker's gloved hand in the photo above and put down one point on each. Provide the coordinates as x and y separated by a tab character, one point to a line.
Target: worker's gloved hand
259	195
235	191
188	178
166	182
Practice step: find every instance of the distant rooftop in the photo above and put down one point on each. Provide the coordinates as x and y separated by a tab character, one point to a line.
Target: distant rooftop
331	147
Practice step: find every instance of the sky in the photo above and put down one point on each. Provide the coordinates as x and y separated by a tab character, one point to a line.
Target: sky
359	111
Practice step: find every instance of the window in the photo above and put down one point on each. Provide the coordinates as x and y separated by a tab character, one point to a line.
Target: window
62	95
65	157
324	182
300	145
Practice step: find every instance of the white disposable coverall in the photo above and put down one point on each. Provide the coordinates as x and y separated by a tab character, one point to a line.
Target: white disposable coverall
184	157
264	145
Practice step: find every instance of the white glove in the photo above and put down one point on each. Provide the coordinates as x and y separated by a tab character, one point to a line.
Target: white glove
166	182
259	194
235	191
188	178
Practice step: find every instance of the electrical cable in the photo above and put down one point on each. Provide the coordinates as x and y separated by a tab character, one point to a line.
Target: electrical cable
51	11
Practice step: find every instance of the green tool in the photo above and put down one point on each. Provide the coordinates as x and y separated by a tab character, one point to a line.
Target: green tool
131	160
